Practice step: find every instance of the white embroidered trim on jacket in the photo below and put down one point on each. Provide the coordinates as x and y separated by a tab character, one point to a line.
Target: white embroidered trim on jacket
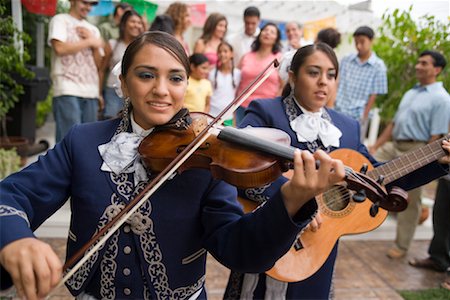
6	210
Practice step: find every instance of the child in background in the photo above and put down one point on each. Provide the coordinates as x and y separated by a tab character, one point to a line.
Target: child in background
224	78
199	90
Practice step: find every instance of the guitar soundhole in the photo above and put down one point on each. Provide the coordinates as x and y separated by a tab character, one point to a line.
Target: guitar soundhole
337	198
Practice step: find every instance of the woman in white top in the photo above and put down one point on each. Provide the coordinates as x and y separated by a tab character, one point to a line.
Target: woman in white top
130	27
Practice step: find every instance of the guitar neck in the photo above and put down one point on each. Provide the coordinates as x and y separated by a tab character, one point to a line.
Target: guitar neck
409	162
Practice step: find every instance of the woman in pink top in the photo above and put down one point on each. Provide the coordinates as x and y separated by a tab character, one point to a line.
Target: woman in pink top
265	49
214	32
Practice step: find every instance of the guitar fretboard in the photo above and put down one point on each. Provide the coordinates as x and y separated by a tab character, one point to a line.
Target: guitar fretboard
409	162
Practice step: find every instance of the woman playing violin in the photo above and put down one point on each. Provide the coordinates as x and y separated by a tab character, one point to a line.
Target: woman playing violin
160	251
302	114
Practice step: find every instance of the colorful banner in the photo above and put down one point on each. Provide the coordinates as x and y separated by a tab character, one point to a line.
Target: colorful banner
41	7
144	8
198	14
103	8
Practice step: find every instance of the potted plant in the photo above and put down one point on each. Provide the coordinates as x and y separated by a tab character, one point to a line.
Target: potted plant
12	64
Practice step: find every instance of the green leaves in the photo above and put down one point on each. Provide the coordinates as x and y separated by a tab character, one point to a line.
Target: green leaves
11	62
9	162
399	44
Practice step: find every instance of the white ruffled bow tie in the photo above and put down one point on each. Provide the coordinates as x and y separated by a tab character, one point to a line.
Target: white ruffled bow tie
120	155
310	126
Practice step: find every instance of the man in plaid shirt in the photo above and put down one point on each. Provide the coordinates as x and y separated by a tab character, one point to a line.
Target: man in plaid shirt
362	77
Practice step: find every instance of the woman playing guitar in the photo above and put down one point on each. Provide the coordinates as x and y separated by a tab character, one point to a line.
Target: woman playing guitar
302	114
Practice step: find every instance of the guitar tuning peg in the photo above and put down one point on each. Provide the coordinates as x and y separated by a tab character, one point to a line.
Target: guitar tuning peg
380	179
374	210
359	196
364	169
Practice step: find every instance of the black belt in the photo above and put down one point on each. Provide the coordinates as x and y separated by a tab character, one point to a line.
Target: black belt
409	141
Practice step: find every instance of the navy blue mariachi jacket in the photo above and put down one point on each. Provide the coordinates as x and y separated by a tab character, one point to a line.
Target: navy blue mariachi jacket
277	113
161	251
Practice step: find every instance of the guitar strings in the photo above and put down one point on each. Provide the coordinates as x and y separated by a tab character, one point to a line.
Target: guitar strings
340	190
400	170
343	190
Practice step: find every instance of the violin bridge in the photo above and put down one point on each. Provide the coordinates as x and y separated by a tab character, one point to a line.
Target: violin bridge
199	124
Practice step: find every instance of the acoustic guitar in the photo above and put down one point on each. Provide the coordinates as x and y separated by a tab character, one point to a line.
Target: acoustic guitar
341	215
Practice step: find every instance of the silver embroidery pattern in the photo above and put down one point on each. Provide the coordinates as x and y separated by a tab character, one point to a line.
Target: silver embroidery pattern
124	187
6	210
256	194
184	292
292	112
108	268
142	225
147	294
78	279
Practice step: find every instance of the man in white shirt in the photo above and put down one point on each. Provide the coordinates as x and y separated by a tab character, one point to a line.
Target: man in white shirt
242	41
294	33
77	52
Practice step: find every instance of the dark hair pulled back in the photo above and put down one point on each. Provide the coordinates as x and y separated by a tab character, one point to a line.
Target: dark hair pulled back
160	39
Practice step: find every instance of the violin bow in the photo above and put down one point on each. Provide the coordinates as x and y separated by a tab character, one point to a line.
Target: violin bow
100	238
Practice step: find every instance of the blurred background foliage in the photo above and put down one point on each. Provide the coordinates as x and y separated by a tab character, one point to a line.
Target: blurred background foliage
399	44
12	63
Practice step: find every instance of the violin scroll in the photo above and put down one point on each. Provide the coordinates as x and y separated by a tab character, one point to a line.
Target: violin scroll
398	199
394	200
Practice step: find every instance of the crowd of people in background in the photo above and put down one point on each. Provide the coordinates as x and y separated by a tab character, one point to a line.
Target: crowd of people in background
250	51
311	87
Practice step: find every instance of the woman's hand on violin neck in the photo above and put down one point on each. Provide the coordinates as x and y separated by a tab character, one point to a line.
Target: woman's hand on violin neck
34	268
308	180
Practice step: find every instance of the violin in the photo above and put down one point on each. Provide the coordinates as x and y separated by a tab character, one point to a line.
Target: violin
246	158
